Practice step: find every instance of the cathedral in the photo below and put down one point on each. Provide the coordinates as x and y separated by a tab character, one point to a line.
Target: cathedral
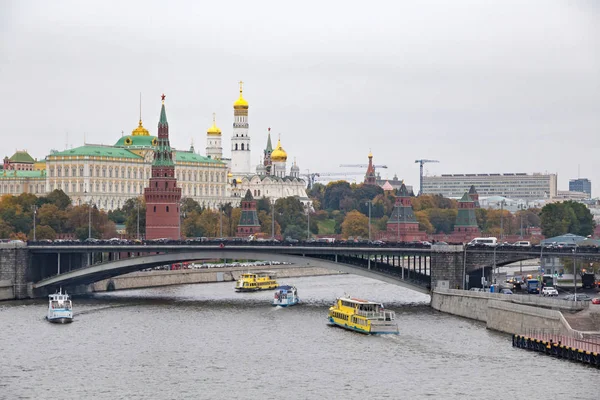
271	178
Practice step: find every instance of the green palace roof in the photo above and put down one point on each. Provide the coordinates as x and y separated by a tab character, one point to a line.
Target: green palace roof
10	174
187	156
97	151
140	141
21	157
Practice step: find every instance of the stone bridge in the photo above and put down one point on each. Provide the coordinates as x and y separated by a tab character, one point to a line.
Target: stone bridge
26	270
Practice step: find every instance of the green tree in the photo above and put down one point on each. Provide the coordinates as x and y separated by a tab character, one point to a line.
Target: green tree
567	217
424	223
334	193
59	199
442	219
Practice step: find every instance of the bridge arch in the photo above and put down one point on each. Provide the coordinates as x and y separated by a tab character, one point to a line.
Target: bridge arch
97	272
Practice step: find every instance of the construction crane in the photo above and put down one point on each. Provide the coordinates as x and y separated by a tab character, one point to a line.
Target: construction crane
312	177
361	166
421	162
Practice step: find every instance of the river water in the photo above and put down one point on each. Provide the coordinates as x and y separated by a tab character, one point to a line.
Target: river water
207	342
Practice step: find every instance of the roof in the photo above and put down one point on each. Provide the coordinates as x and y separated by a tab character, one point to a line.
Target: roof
566	238
285	287
137	141
466	198
386	186
403	192
359	301
21	156
188	156
248	196
11	174
98	151
472	190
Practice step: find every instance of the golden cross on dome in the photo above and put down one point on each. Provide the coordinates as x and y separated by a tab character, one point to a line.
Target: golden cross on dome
214	118
241	86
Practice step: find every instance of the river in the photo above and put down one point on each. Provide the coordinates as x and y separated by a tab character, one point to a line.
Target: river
205	341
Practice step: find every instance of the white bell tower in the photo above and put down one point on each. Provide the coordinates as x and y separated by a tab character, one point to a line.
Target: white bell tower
240	141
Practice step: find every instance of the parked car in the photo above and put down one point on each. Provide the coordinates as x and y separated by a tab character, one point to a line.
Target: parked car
596	300
580	297
506	291
549	291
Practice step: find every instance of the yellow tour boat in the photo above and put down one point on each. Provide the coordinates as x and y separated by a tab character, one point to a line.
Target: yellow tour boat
252	282
362	316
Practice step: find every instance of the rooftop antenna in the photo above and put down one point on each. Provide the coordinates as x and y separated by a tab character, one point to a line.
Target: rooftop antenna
66	140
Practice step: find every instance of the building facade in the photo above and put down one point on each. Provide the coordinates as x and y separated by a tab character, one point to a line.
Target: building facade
108	176
582	185
514	186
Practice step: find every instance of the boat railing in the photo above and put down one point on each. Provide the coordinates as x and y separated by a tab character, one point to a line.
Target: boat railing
381	314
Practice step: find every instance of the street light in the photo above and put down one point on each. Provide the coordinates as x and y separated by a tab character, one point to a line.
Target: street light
369	203
138	217
307	221
574	276
273	219
90	219
34	207
501	220
220	221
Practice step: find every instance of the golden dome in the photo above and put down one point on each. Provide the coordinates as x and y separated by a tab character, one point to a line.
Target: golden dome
279	153
214	130
140	131
241	102
229	175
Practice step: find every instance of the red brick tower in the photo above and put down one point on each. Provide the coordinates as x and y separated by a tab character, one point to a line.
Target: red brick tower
249	224
370	178
403	225
162	194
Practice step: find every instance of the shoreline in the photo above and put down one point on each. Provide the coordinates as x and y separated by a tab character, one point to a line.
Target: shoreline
158	278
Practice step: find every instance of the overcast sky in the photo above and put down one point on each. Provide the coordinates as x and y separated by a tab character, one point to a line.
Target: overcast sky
482	86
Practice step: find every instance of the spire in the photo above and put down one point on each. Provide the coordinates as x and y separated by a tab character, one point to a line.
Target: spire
162	153
269	145
163	113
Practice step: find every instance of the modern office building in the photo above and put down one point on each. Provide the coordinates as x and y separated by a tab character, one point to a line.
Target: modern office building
583	185
514	186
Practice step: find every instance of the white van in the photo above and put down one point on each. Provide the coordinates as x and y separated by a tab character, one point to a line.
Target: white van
523	243
487	241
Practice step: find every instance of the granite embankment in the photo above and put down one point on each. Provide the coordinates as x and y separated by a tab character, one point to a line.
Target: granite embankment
145	279
518	314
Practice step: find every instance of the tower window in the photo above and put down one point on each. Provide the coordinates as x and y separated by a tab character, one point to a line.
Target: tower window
242	146
154	208
235	148
167	208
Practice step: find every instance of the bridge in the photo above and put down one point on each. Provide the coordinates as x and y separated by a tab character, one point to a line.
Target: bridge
33	269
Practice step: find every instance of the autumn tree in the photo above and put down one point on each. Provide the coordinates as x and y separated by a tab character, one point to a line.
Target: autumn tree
355	224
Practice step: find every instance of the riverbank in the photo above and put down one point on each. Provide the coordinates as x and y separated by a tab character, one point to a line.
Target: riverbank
147	279
517	314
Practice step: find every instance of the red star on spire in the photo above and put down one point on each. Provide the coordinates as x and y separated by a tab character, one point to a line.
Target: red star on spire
162	97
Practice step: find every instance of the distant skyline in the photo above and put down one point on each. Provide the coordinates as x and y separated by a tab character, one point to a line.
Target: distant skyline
483	87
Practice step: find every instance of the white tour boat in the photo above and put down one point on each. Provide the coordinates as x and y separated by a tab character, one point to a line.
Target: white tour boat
60	309
285	296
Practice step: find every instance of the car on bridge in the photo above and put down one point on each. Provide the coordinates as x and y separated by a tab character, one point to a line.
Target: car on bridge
549	291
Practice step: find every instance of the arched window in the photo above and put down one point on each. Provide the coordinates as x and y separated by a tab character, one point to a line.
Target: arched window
154	208
235	148
242	146
167	208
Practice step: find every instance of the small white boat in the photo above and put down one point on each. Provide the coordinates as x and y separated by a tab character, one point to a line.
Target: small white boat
60	309
285	296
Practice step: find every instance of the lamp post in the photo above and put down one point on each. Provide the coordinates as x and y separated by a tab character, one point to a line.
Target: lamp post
273	219
501	220
34	215
369	203
574	276
307	221
220	221
138	217
90	220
